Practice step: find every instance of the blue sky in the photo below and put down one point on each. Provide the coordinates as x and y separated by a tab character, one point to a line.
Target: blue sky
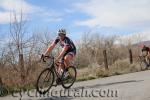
121	17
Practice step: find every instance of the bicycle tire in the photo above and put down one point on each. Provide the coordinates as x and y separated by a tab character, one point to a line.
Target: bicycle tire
64	84
40	76
3	91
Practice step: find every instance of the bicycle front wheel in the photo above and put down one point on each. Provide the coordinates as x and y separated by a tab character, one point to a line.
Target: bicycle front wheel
45	81
3	91
68	81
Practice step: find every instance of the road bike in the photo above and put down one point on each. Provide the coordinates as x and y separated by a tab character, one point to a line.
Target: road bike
50	75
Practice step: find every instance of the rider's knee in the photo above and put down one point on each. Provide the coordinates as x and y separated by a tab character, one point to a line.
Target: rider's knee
67	58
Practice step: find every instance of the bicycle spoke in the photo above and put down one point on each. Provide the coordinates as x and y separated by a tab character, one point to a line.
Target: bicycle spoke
68	82
45	81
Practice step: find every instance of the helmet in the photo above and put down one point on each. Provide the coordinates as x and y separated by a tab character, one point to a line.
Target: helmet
62	31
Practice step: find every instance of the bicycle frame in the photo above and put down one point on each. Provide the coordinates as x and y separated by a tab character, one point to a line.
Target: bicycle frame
53	69
53	65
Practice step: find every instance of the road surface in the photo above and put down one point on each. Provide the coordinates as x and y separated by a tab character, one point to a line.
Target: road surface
133	86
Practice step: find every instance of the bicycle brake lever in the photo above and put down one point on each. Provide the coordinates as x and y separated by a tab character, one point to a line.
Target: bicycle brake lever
42	57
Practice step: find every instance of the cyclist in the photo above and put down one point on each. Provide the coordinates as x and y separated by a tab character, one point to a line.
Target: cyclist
68	52
146	53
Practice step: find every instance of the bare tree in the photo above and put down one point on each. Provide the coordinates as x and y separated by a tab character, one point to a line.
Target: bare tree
17	45
3	58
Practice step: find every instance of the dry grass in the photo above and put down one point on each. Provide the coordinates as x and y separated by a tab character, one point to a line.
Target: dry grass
12	79
97	71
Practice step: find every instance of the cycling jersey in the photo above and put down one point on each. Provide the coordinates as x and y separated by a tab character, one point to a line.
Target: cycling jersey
146	49
66	42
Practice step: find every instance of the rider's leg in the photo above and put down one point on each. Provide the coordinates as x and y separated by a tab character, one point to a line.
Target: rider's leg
61	66
68	58
148	59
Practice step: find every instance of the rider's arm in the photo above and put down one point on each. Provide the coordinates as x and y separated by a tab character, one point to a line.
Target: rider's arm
65	48
50	48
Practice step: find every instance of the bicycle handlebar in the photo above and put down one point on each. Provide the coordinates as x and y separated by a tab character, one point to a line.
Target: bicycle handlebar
43	57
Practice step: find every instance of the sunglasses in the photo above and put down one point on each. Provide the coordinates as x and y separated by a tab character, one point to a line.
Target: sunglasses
60	34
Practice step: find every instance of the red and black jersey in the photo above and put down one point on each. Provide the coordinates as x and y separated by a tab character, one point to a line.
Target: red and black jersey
66	42
146	49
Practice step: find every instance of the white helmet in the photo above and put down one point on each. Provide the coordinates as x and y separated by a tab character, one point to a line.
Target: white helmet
62	31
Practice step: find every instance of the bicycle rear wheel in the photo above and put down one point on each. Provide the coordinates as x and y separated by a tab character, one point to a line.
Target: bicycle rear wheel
68	81
45	81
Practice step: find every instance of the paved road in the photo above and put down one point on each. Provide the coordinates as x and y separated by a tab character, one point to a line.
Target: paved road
134	86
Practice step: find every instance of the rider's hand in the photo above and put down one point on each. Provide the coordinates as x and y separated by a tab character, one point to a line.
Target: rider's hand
42	56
